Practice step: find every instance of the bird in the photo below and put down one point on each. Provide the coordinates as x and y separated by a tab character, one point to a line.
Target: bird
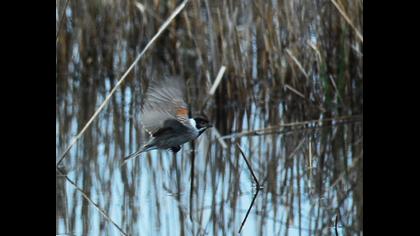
165	116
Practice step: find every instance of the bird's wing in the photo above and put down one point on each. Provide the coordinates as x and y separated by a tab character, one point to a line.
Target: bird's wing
164	100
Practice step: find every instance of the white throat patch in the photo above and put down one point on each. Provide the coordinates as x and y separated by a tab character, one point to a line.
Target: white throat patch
192	122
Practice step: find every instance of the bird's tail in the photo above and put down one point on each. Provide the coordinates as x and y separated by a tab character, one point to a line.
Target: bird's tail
145	148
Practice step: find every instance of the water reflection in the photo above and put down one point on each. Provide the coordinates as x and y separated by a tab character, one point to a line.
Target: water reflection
303	137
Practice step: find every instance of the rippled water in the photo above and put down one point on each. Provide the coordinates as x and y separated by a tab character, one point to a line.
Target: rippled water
302	134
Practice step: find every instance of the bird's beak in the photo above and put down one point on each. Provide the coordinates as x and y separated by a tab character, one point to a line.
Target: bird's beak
209	125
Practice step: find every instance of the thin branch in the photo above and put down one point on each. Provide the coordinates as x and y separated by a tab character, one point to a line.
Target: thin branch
257	183
249	166
249	210
90	201
161	29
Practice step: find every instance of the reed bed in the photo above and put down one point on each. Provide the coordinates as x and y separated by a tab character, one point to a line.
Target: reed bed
290	94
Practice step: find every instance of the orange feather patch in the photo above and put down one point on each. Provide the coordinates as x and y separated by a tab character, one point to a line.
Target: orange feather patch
182	112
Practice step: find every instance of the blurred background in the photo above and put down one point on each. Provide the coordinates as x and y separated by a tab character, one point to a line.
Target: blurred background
291	96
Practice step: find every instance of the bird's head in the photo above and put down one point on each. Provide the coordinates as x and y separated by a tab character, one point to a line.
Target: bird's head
202	123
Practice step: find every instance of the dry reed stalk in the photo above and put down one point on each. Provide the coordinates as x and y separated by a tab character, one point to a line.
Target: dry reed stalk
296	61
218	137
292	124
294	91
61	20
347	19
217	80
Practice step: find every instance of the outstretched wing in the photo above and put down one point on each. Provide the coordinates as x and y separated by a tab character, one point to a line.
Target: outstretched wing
164	100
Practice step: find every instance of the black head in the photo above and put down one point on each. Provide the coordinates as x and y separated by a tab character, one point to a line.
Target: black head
202	123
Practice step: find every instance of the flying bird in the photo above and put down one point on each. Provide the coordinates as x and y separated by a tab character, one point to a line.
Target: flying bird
165	117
